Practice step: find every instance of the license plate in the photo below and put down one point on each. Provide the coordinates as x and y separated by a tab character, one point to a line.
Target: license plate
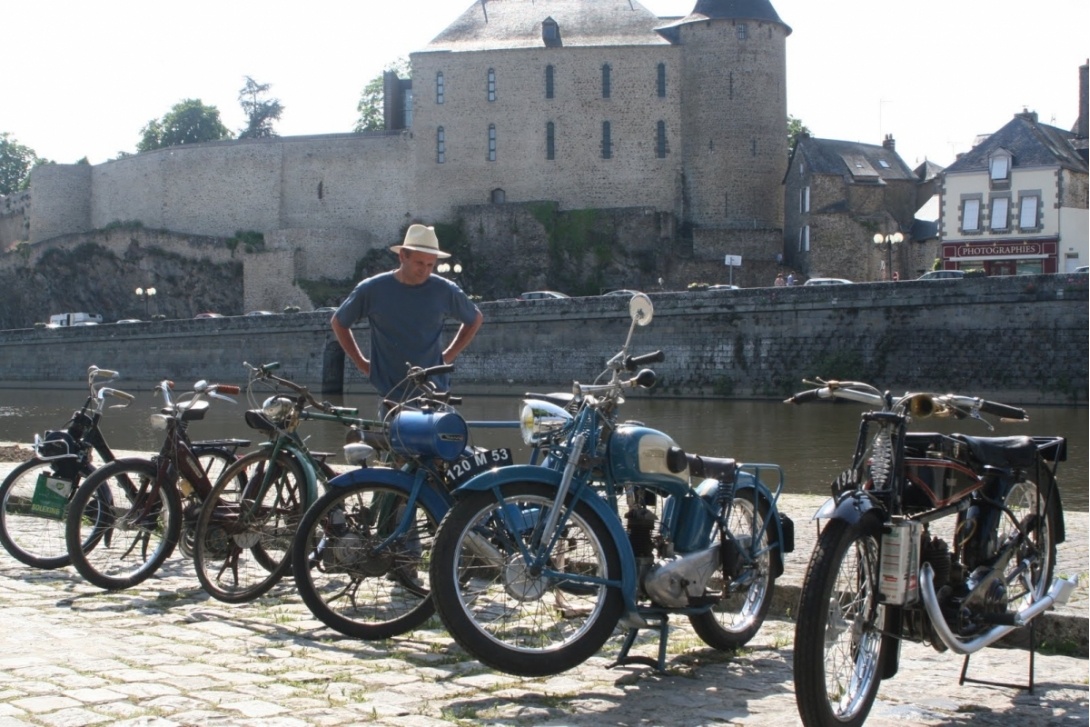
467	467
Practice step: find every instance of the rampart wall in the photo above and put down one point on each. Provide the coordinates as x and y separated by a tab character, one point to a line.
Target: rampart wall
1017	339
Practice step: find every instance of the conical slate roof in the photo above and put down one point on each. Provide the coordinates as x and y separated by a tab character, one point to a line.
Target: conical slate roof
759	10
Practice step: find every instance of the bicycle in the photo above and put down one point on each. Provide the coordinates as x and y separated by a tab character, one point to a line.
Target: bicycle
36	494
243	535
125	519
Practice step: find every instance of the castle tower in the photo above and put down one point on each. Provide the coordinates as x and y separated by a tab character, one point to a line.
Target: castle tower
734	113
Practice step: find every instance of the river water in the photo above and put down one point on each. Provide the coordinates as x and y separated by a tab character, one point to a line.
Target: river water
813	442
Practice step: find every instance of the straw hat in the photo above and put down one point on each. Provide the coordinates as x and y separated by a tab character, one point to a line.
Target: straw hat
420	238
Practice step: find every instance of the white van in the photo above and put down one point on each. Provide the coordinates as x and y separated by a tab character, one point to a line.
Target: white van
74	319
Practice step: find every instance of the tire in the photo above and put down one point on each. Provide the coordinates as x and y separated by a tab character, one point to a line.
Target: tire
349	586
127	536
37	540
243	544
1026	502
838	634
213	461
746	597
508	618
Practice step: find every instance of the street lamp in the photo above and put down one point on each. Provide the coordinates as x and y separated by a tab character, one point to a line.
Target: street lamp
146	294
890	241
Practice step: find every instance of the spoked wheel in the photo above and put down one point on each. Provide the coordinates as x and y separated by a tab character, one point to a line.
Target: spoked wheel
360	561
518	617
244	532
32	522
213	461
745	594
121	527
837	636
1029	572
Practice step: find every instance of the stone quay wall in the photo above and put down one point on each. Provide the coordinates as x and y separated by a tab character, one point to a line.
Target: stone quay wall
1016	339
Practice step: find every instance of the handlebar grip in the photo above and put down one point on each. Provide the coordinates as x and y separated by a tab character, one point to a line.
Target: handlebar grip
227	389
631	363
105	372
438	370
803	396
1002	410
118	394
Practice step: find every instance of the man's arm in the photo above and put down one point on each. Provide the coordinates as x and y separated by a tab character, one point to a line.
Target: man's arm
351	348
465	335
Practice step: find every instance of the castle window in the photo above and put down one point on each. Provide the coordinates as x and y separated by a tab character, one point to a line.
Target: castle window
1027	212
605	80
660	140
491	142
440	145
661	85
804	199
804	238
548	81
440	88
550	33
742	31
1000	213
498	196
491	84
550	141
607	142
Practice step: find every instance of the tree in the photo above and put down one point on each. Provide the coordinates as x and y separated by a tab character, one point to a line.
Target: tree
188	122
16	162
370	105
260	113
795	129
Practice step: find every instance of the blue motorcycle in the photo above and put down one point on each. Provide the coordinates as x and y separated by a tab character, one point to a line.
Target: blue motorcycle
534	566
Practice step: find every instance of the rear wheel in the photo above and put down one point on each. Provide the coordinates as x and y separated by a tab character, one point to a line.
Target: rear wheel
121	526
1029	572
360	561
32	521
246	525
512	615
838	635
746	594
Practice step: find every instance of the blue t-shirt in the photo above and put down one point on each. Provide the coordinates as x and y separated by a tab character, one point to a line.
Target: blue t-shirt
406	324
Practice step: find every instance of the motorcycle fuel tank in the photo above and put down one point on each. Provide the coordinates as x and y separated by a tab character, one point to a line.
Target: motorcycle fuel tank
637	456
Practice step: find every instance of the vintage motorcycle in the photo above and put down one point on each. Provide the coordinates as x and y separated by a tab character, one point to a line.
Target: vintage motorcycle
945	539
535	565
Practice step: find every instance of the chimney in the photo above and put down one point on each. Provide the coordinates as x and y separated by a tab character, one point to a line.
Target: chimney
889	143
1081	124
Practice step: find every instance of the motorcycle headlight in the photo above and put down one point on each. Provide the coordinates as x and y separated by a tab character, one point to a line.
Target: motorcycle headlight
277	408
540	419
159	422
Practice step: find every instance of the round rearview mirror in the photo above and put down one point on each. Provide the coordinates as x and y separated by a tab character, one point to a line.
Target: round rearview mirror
640	309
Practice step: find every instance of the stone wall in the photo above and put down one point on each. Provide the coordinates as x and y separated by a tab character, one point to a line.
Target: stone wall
14	219
1016	339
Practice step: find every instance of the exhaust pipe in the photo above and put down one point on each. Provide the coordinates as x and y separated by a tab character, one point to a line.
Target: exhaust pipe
1057	596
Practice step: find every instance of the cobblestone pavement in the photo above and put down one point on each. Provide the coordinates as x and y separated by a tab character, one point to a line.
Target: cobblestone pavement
165	653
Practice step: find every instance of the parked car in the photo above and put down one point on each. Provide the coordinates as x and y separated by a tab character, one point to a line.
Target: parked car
827	281
261	313
942	275
723	287
1083	269
623	292
325	309
542	295
130	320
209	314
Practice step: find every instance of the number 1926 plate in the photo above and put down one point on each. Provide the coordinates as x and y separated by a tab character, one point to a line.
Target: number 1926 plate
474	464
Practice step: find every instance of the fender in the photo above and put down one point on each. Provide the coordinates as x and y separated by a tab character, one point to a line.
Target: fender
433	501
305	464
511	474
775	523
851	507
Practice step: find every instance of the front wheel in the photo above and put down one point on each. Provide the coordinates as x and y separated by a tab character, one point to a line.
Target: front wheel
838	633
520	617
243	536
360	560
122	525
746	594
34	501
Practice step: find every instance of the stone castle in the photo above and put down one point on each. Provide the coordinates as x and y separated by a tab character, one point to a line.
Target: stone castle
677	125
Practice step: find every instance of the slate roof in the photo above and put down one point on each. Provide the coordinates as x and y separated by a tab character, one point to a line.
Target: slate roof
863	163
510	24
1031	143
759	10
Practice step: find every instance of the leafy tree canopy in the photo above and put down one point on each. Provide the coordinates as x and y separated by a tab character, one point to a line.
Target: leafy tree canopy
260	112
16	163
188	122
795	129
370	105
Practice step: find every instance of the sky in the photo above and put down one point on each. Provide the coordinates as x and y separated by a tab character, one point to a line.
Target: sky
81	79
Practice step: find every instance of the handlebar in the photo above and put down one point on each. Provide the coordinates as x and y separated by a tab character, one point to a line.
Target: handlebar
631	363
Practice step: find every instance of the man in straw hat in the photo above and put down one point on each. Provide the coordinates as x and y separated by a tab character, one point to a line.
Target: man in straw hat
406	309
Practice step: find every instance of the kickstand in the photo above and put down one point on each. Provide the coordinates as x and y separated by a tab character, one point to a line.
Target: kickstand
1032	653
623	659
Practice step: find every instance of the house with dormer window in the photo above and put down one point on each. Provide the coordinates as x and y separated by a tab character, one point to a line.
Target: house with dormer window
1017	202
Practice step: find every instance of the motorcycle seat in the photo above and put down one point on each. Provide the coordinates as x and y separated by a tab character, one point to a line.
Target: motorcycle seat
1018	451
